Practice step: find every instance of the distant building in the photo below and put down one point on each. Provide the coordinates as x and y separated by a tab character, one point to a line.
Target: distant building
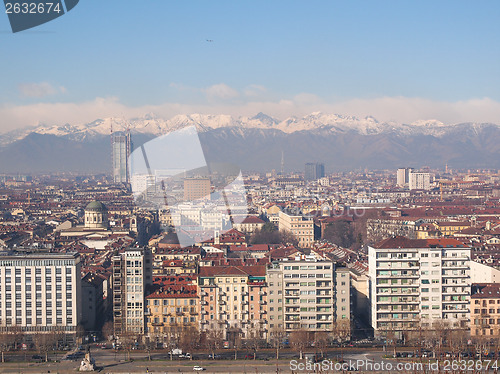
403	177
301	227
196	188
121	148
419	181
41	293
314	171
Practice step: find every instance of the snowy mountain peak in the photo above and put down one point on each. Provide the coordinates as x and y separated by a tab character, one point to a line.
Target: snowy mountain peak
151	124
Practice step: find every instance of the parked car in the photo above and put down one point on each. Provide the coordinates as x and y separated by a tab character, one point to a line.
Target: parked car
198	368
185	355
213	357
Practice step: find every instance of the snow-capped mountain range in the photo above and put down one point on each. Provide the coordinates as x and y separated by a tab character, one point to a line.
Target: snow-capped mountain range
258	143
152	125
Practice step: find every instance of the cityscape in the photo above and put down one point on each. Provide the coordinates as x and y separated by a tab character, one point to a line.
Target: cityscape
400	258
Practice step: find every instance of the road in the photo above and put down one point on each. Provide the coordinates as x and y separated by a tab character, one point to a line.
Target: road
109	361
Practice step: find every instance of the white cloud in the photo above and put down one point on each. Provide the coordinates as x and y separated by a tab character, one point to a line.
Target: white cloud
221	91
399	109
254	90
39	89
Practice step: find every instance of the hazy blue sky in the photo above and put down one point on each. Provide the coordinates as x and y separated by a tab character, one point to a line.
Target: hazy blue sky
396	60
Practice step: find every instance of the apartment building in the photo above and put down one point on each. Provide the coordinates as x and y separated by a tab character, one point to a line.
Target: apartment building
485	310
414	282
308	294
419	181
132	272
40	292
301	227
171	310
234	300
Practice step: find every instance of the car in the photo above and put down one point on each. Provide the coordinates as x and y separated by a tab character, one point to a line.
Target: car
198	368
213	357
185	355
37	357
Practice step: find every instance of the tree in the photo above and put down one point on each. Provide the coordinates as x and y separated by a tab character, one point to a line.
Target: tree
44	342
278	335
107	330
5	342
340	232
213	340
255	338
321	341
299	340
190	339
269	234
129	339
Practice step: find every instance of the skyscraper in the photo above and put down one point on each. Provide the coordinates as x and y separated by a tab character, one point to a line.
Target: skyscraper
314	171
121	146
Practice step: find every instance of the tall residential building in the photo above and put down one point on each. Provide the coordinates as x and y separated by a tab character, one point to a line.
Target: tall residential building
132	272
314	171
419	181
301	227
196	188
40	293
403	177
415	282
234	300
121	148
308	294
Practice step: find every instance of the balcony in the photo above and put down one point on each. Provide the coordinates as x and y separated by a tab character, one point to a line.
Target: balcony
262	302
262	293
204	303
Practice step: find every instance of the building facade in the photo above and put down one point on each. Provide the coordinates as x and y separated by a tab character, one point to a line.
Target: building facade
416	282
485	310
132	273
308	294
301	227
40	293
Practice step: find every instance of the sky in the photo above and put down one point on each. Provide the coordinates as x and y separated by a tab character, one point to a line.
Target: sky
395	60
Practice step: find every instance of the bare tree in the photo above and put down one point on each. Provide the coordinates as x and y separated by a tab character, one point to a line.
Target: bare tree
321	341
5	342
255	338
129	339
278	335
44	342
213	340
299	340
190	338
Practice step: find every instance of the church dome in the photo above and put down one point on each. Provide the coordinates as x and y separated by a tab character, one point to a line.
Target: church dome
96	206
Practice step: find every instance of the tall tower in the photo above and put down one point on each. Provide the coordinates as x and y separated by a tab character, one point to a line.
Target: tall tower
121	147
282	163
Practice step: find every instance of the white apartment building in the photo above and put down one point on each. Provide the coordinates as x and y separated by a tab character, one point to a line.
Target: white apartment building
415	282
419	181
301	227
132	272
308	294
40	292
